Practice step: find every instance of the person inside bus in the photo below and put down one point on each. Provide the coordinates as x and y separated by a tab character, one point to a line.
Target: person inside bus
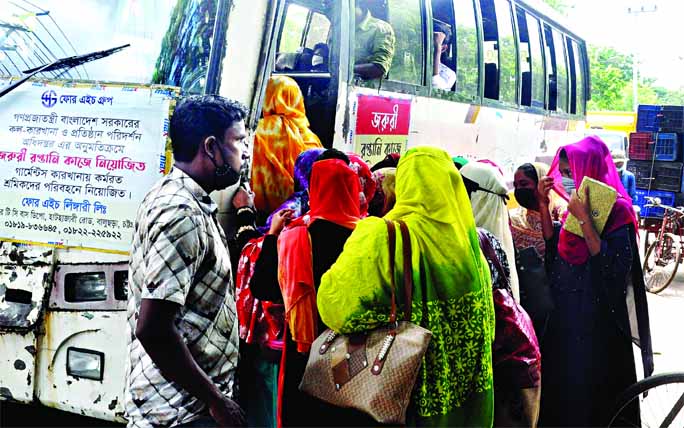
281	136
443	77
375	43
587	348
182	333
319	62
628	180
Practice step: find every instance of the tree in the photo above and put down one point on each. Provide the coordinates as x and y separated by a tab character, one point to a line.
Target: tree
610	75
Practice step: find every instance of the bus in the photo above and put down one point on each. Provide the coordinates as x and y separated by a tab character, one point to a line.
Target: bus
522	84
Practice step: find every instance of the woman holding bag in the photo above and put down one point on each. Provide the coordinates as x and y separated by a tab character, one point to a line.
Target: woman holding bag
452	296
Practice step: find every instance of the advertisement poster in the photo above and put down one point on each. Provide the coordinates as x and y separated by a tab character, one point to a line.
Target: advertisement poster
382	127
77	160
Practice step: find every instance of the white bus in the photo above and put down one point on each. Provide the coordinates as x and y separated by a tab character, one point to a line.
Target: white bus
521	91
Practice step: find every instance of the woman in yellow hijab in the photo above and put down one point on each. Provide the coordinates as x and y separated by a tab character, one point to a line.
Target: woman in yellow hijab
281	136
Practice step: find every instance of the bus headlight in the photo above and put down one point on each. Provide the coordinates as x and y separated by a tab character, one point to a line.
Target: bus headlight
83	363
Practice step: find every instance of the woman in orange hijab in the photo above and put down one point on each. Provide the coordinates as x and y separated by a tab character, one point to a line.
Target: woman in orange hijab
281	136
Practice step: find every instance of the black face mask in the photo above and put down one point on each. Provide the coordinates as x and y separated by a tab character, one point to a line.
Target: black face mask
225	175
526	198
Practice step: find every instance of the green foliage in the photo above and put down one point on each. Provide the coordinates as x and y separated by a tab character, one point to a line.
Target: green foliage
611	83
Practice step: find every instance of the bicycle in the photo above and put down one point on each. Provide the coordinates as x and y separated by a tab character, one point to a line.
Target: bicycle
664	255
656	401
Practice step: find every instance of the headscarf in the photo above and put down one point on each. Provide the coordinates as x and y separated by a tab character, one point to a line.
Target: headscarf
590	157
490	210
460	161
452	295
334	197
385	196
299	200
366	181
281	136
526	224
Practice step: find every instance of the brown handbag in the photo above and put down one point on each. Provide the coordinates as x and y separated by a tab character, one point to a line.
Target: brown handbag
373	371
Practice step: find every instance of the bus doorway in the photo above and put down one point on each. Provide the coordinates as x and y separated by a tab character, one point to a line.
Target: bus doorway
307	50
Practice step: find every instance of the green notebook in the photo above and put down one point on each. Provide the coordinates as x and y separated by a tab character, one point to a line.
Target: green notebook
601	201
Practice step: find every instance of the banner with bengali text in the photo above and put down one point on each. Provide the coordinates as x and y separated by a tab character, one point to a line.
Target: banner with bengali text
76	160
382	126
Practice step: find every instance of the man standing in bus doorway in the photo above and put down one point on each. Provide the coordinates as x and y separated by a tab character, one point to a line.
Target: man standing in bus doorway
375	42
442	76
183	334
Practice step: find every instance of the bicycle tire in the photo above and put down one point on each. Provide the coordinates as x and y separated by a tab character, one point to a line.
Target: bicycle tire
661	281
642	388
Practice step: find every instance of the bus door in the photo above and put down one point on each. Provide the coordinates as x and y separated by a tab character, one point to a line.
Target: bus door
307	48
25	275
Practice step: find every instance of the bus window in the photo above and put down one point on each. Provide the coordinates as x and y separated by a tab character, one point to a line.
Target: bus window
551	69
319	28
508	54
467	58
303	52
562	64
303	41
444	62
525	59
406	19
581	86
491	49
538	80
573	75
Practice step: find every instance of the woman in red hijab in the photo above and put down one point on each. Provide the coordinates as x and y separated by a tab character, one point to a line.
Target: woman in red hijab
587	357
289	270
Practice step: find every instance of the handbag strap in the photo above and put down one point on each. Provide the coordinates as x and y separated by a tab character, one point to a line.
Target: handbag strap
490	254
408	269
392	241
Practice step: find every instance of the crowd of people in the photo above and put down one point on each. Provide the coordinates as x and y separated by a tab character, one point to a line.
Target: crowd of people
221	331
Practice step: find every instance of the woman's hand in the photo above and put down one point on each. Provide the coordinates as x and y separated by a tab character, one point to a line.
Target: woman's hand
280	220
579	208
544	188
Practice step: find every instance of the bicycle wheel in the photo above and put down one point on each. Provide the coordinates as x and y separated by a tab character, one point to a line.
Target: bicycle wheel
660	399
661	263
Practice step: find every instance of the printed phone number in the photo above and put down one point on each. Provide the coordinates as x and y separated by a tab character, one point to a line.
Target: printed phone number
94	233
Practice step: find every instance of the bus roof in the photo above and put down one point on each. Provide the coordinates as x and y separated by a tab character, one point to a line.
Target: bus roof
551	15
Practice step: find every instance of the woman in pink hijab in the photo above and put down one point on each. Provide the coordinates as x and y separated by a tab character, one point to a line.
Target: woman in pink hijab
587	350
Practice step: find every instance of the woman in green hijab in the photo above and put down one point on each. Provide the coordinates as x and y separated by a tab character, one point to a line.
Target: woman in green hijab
452	296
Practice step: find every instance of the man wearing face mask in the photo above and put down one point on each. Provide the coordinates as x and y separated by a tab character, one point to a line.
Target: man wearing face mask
628	179
183	341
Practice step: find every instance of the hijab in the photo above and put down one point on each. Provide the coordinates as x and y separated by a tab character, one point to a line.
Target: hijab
591	158
299	200
366	181
334	194
281	136
385	196
490	210
452	295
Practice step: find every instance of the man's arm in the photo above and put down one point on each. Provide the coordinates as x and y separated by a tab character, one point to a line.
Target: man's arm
369	71
157	333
